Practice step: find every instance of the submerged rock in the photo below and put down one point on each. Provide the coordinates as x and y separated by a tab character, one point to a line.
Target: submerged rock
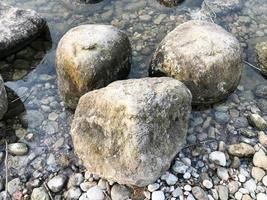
260	159
130	131
170	3
90	57
222	7
3	99
261	54
18	27
18	149
205	57
39	194
257	121
241	150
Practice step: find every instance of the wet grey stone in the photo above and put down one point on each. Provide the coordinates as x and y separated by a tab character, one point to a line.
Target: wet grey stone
199	193
261	91
222	117
262	104
120	192
34	118
39	194
18	28
240	122
57	183
73	193
223	192
17	149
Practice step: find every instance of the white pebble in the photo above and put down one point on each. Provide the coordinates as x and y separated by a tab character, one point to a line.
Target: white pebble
158	195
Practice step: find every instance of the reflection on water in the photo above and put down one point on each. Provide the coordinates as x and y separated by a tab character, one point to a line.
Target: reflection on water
146	22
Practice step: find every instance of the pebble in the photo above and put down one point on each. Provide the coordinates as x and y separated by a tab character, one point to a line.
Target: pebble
177	192
153	187
257	173
264	180
241	178
260	159
179	167
199	193
74	193
223	192
75	180
95	193
207	184
14	185
233	187
158	195
119	192
39	194
57	183
241	150
262	139
187	188
18	149
169	178
246	197
238	195
222	173
218	158
261	196
257	121
250	185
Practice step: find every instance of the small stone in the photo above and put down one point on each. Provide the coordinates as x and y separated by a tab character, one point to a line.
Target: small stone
261	196
238	195
235	162
264	180
74	193
199	193
263	139
169	178
241	178
233	187
95	193
120	192
260	159
257	121
177	192
158	195
187	175
187	188
261	91
207	184
153	187
246	197
39	194
57	183
250	185
75	180
218	158
18	149
241	150
179	167
222	117
14	185
248	133
223	192
222	173
257	173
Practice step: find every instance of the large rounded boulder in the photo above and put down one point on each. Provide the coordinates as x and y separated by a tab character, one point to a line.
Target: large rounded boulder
3	99
89	57
18	27
205	57
130	131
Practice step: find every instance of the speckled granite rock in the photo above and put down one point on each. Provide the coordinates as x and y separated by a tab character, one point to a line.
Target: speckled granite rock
222	7
18	27
130	131
3	99
90	57
205	57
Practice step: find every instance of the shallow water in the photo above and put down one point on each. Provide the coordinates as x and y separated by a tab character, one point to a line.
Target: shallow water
40	119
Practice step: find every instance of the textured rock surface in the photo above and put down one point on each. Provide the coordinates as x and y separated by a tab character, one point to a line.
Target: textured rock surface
3	99
170	3
90	57
261	53
18	27
130	130
204	57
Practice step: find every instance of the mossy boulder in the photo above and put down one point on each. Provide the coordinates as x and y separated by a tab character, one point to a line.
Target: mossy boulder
130	131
